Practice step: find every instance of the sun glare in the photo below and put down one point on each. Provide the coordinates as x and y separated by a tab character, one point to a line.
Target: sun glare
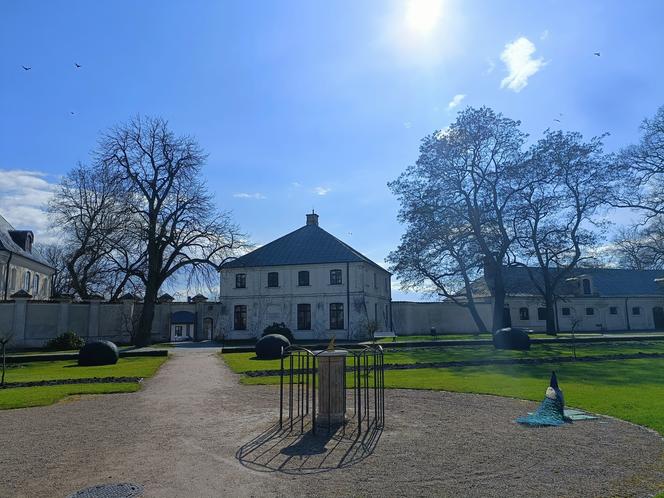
422	16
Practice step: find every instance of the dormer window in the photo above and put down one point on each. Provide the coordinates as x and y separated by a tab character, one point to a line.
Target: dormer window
586	286
28	243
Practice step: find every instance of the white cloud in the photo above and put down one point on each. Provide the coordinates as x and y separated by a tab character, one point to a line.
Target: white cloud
490	66
24	197
443	133
518	60
407	124
456	100
544	35
296	184
322	190
245	195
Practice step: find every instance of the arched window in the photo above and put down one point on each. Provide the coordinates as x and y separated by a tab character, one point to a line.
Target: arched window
26	281
35	285
13	280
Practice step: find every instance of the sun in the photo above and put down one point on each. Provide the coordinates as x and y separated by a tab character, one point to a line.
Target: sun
422	16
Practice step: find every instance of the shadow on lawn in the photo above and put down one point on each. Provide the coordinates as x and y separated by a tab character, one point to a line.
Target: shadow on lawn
295	452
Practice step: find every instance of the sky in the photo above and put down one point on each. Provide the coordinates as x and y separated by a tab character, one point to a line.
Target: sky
305	105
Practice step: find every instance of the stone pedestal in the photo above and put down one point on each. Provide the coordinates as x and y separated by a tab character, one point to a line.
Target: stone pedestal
331	392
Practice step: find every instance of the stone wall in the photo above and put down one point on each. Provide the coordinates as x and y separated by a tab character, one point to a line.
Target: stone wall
411	318
33	323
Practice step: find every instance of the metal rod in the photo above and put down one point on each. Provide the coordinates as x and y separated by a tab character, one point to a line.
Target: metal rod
313	397
281	392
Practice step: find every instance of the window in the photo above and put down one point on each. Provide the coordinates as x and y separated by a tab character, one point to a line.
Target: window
613	310
586	286
335	278
336	316
13	283
240	280
304	316
240	317
178	331
636	310
26	281
590	311
303	278
35	285
566	312
524	314
273	279
541	313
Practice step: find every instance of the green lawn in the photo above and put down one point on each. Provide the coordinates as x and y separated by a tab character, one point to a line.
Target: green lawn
138	366
631	390
23	397
20	397
245	362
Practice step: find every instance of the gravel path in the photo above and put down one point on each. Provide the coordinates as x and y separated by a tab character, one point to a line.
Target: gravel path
191	432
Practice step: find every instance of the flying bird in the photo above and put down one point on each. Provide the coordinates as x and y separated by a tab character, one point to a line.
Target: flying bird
26	68
557	120
597	54
72	112
77	65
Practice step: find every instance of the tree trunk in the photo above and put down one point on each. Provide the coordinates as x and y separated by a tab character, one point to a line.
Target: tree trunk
498	292
551	328
481	326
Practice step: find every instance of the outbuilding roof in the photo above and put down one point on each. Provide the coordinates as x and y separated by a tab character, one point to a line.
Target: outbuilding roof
610	282
304	246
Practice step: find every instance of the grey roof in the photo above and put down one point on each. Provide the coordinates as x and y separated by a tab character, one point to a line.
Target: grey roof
605	282
8	244
304	246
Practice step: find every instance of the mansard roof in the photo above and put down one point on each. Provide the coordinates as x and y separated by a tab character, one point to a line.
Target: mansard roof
305	246
9	241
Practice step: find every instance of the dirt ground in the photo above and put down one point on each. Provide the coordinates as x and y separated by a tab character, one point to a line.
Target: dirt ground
194	431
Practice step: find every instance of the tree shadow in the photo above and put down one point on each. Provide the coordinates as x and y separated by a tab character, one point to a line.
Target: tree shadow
299	451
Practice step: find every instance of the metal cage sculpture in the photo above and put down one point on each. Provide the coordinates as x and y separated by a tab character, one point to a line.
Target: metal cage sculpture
299	385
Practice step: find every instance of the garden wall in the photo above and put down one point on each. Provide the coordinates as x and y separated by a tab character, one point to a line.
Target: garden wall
411	318
33	323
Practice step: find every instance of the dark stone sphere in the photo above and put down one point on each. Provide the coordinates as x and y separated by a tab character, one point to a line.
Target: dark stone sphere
269	346
98	353
511	338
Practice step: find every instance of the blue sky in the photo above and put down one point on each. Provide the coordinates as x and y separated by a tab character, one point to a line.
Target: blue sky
310	104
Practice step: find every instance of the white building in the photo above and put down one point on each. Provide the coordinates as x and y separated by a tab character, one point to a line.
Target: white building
20	268
592	299
311	281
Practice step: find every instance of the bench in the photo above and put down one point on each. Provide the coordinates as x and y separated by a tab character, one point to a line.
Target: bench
382	335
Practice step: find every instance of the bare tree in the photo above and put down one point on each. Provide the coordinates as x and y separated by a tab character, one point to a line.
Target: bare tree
570	182
55	255
174	222
90	208
465	181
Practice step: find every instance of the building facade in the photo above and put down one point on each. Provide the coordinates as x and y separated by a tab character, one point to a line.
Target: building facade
589	299
20	268
311	281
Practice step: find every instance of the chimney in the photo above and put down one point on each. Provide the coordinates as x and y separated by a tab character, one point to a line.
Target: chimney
312	218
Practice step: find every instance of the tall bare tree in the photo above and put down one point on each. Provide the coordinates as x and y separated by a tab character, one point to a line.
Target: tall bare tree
570	181
90	209
466	182
640	187
174	221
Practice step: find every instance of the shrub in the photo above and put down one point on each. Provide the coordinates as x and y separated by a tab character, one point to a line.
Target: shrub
279	328
68	340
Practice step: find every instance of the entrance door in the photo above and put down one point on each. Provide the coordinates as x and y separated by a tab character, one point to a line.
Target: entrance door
207	328
658	317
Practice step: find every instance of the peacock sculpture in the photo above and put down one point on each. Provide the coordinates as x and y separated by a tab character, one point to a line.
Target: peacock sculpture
552	410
